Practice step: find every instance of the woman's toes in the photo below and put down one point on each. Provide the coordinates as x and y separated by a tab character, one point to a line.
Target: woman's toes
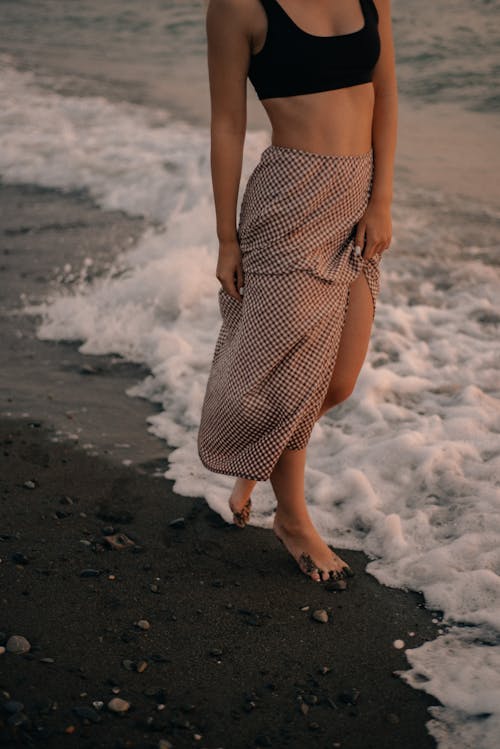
308	565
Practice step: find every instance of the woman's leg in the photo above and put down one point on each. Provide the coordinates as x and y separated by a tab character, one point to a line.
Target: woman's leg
353	344
292	522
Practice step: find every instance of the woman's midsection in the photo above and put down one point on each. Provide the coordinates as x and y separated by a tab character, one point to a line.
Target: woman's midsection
329	122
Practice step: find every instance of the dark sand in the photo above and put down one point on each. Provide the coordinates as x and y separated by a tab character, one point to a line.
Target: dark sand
232	653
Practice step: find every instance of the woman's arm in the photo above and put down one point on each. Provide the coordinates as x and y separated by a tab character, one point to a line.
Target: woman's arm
227	26
377	220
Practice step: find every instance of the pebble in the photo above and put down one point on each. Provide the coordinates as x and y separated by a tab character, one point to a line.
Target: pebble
18	644
336	585
47	660
12	706
29	484
87	713
398	644
143	624
19	558
128	665
90	573
118	541
19	719
141	666
350	696
164	744
393	718
117	705
98	704
2	650
320	615
178	523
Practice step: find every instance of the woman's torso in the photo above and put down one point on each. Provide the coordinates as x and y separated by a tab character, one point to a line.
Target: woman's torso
337	121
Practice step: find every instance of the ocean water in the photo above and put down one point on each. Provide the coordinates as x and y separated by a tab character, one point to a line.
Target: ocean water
112	98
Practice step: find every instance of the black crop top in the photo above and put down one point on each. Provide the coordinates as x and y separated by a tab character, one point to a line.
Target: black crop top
294	62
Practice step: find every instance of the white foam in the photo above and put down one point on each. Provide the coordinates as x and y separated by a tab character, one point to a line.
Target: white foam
407	469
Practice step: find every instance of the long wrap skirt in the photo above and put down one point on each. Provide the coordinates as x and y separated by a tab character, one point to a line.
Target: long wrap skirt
276	350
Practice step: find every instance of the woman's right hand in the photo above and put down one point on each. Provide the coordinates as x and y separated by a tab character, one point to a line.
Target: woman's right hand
229	268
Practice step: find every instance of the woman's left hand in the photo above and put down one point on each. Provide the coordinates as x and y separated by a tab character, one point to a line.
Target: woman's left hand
374	227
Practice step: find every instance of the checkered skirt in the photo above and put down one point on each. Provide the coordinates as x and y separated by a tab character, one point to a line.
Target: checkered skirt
275	351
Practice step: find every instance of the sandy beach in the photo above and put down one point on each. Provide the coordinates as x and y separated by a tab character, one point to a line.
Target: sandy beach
232	655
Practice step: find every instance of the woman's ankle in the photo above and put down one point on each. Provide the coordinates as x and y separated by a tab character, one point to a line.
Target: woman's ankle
292	523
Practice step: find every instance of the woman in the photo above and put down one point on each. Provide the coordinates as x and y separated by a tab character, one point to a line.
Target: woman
300	272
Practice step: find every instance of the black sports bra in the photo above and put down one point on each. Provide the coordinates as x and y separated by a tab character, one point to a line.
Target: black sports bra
294	62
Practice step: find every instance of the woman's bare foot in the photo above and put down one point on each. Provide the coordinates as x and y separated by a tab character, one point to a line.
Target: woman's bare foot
240	502
313	555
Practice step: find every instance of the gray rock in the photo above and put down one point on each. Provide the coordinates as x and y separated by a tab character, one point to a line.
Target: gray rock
12	706
87	713
90	573
178	523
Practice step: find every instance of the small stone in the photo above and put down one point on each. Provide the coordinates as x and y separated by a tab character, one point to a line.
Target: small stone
215	652
87	713
320	615
178	523
128	665
2	650
154	588
141	666
90	573
18	644
304	709
117	705
311	699
143	624
13	706
164	744
98	704
336	585
262	740
18	719
398	644
118	541
66	501
393	718
19	558
47	660
350	696
29	484
324	670
305	608
313	726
